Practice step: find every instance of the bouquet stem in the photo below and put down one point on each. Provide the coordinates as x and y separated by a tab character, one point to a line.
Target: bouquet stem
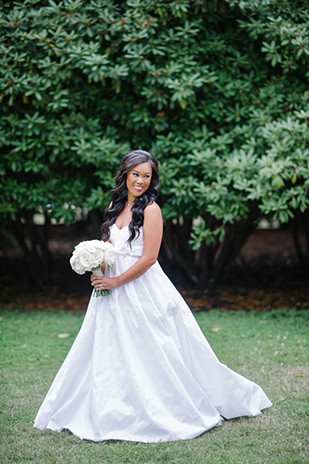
97	272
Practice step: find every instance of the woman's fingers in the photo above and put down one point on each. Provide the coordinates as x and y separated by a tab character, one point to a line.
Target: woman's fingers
103	282
98	283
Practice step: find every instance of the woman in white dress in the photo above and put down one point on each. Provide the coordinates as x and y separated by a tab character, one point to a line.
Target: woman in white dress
140	368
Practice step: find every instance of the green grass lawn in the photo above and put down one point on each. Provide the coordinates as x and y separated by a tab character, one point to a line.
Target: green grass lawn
269	348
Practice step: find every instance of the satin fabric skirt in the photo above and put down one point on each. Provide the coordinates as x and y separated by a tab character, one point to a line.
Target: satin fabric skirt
141	369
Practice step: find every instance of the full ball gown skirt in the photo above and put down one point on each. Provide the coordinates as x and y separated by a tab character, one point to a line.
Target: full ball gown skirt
140	368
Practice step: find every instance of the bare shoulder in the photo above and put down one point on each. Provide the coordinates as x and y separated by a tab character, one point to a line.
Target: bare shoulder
153	228
152	211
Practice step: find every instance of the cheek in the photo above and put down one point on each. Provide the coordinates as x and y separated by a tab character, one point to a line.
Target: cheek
128	181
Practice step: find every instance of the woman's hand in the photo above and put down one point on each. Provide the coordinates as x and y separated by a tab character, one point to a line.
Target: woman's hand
103	282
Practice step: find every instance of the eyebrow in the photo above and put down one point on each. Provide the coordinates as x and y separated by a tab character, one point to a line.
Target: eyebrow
148	172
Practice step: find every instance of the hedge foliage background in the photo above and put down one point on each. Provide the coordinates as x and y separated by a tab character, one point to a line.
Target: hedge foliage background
216	90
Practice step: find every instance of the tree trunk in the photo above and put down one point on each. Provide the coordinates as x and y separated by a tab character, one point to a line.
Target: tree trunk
234	240
208	265
176	247
300	222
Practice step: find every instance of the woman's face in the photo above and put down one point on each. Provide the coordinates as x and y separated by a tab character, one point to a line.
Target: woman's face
138	180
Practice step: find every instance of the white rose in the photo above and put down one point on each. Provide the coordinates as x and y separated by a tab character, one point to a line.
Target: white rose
86	260
92	246
98	258
81	246
76	264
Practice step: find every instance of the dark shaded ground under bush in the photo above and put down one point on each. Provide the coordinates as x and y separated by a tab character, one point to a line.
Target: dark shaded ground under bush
266	275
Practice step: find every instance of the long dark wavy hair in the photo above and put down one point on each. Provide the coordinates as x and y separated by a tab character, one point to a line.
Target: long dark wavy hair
120	192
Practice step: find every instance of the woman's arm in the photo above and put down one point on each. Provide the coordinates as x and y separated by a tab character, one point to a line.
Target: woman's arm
152	230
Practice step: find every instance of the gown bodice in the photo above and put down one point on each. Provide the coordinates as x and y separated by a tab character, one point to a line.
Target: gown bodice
119	239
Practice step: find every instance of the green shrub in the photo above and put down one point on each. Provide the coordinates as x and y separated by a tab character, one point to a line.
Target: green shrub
217	90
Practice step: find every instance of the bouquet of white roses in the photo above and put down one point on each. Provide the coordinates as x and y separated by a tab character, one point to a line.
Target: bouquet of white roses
89	255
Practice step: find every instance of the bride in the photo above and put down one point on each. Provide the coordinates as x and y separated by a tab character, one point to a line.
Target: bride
140	368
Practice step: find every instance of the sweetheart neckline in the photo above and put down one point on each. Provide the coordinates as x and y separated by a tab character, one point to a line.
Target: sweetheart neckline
121	227
125	227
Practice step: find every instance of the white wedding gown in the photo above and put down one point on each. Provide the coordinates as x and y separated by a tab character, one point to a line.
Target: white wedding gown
141	369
